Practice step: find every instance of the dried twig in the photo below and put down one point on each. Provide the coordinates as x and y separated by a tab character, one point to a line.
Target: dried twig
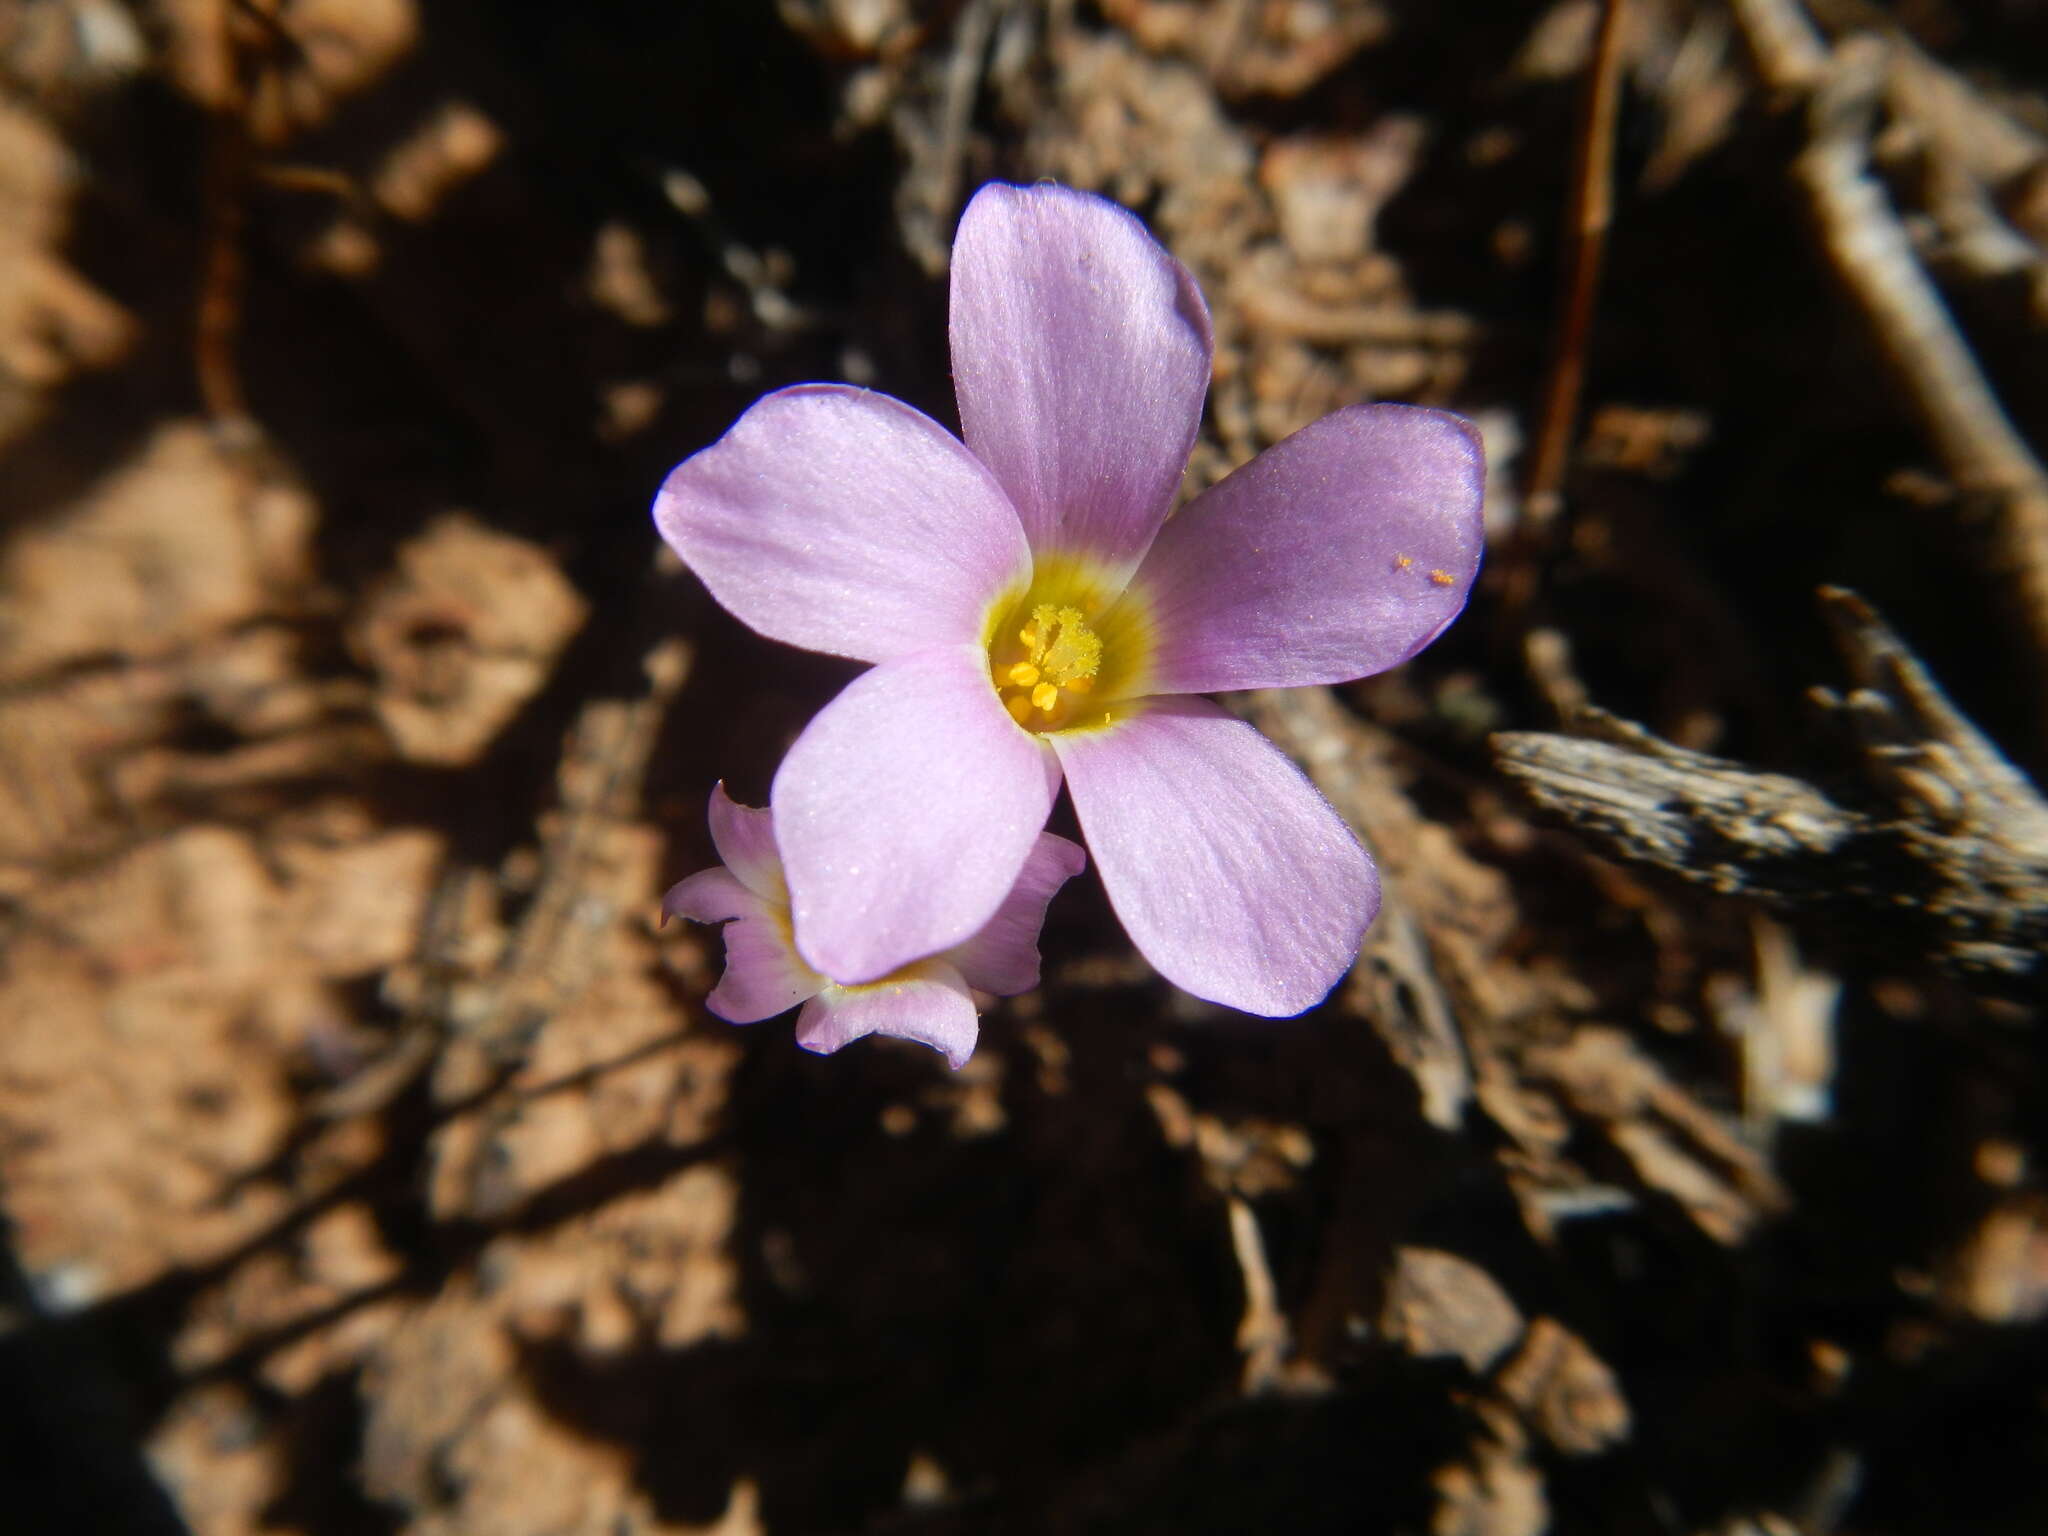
1592	211
929	195
1262	1334
1966	148
1946	855
1283	312
1789	51
217	320
2005	486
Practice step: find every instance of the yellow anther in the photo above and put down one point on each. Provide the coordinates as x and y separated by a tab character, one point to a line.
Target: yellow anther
1065	647
1061	644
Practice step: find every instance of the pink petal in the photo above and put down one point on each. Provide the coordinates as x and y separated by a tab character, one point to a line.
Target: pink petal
844	521
1231	874
1335	554
1080	357
763	974
927	1002
745	840
709	896
1003	957
904	812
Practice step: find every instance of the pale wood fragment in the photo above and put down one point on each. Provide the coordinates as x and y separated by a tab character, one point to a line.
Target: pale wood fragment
1940	849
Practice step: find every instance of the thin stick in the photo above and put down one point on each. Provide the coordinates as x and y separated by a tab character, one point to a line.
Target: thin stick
1263	1333
1992	464
1592	211
217	323
2004	484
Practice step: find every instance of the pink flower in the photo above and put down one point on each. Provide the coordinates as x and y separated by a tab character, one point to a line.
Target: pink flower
1033	615
926	1000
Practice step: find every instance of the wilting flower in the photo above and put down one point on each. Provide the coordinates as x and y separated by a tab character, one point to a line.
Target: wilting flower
1032	614
926	1001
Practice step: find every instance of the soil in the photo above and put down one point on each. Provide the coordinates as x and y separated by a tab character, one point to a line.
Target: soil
368	1159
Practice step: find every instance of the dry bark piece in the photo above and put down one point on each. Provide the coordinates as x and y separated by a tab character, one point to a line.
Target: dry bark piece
1441	1306
1565	1391
1948	859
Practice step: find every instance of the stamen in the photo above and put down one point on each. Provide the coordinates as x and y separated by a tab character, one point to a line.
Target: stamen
1056	658
1067	648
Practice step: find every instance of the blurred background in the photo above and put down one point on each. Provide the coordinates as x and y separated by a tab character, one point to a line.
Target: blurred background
368	1161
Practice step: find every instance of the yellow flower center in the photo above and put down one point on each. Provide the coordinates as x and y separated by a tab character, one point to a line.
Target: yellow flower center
1064	654
1061	657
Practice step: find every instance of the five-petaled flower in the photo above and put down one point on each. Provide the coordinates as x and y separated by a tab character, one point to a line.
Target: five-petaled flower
1032	614
927	1000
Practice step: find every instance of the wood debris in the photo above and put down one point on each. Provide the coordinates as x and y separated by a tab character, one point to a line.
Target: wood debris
1947	854
1669	1160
